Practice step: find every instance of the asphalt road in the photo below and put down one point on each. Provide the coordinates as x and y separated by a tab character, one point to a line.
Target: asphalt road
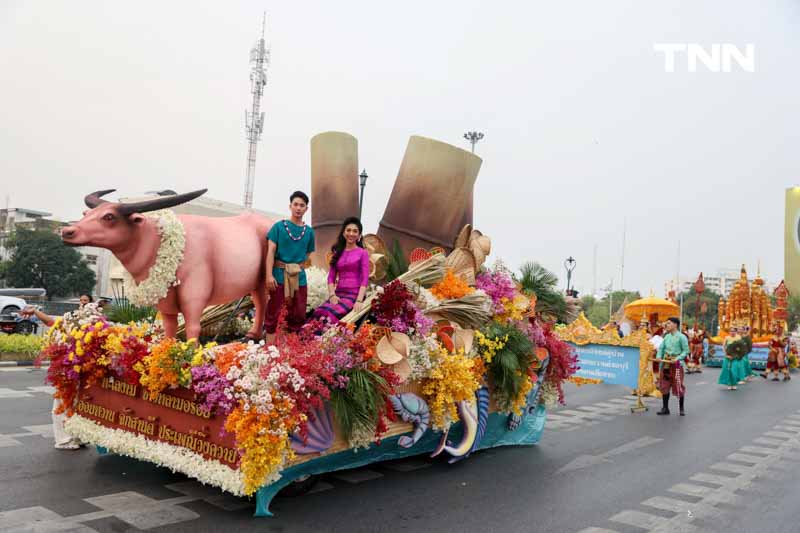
729	465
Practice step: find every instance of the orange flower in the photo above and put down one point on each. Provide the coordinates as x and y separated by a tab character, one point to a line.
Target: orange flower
451	287
227	356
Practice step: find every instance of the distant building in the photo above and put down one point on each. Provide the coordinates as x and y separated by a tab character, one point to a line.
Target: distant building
721	283
12	219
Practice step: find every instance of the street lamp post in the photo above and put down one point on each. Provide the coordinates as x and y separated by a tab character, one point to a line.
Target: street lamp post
569	264
363	178
473	137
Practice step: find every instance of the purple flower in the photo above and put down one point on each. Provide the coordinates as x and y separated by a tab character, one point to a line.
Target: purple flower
209	385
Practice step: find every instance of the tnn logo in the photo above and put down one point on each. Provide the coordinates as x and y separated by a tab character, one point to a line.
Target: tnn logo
718	59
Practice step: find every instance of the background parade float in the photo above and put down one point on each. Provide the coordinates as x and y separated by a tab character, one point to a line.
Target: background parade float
448	356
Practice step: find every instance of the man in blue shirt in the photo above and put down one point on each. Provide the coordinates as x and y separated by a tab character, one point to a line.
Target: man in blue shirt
290	243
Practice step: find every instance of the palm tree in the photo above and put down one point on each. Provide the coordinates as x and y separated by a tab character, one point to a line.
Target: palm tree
536	279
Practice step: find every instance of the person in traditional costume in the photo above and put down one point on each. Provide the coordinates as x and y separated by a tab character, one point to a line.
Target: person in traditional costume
747	372
348	277
290	243
675	348
735	347
776	359
696	349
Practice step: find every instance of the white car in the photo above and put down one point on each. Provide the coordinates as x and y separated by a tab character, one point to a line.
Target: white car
11	304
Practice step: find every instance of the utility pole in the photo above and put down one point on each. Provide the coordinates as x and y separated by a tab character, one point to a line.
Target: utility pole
254	119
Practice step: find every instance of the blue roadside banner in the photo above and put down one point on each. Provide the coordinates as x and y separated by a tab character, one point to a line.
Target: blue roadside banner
615	365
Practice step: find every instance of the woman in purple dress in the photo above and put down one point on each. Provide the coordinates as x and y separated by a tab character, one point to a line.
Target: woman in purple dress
349	274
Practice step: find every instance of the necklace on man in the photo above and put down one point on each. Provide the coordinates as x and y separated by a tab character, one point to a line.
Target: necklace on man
289	232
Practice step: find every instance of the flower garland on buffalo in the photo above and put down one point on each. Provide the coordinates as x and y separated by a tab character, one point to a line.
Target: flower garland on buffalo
447	340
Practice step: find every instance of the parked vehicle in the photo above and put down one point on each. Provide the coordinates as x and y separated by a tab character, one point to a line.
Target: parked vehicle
14	323
11	304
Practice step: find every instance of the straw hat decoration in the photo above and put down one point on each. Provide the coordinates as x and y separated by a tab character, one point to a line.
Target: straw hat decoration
462	262
378	262
469	250
392	350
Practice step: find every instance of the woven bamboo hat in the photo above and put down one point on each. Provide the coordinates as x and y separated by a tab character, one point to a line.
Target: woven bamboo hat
462	262
393	348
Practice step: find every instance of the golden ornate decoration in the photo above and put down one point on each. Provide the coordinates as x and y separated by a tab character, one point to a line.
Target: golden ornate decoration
582	332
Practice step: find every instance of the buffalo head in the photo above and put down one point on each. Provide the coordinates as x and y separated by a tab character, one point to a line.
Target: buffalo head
111	224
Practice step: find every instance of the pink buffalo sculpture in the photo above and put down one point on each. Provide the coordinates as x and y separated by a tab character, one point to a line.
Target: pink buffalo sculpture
223	259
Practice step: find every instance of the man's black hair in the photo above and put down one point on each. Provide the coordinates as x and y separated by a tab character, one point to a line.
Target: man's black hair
299	194
675	321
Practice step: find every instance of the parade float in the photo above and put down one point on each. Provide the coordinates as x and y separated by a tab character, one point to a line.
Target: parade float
446	359
749	308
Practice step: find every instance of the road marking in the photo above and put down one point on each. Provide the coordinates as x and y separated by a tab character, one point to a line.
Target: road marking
639	519
585	461
702	383
691	490
761	462
745	458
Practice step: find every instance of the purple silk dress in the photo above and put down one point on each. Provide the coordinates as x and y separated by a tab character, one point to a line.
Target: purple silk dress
349	274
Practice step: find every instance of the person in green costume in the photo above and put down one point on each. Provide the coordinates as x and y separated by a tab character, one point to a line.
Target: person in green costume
732	369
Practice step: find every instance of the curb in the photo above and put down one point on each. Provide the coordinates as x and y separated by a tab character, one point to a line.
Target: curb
22	363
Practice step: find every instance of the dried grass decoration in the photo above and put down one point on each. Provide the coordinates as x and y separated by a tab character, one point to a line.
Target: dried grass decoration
214	316
425	273
473	310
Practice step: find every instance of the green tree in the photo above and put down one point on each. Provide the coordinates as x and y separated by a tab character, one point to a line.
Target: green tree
536	279
597	311
40	259
707	319
794	311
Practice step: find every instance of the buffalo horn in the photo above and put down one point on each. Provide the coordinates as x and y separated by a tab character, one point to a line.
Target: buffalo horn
93	200
162	202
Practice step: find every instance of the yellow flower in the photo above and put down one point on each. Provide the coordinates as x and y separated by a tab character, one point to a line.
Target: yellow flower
71	356
76	368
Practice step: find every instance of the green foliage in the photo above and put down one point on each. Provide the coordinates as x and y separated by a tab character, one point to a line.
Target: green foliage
708	319
40	259
358	406
4	266
794	311
597	310
508	368
397	262
123	312
536	279
29	345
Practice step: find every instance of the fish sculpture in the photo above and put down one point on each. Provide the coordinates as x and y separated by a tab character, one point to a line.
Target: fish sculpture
474	416
514	420
411	408
320	433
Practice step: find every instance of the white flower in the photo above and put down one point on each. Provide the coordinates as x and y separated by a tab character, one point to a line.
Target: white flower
163	273
317	287
175	458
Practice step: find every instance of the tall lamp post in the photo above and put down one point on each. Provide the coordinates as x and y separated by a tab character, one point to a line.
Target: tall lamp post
473	137
569	264
363	178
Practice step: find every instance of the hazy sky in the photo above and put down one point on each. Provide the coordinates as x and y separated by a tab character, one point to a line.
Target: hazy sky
583	126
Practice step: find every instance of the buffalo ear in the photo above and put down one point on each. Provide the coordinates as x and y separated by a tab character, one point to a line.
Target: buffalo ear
136	218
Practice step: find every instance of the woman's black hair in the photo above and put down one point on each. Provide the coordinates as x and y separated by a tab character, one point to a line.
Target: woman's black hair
341	242
88	296
675	321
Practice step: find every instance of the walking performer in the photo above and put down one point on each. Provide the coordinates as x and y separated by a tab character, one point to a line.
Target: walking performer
776	360
673	351
696	348
290	243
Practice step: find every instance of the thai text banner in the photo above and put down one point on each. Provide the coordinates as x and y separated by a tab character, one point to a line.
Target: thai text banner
616	365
